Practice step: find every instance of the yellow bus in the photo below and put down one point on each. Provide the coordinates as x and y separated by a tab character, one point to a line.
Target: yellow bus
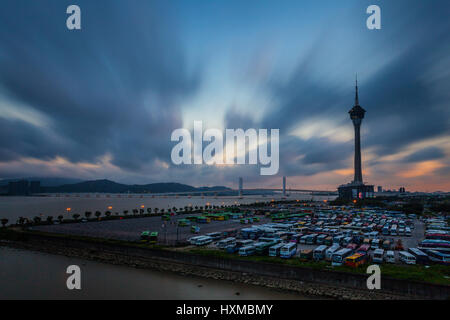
356	260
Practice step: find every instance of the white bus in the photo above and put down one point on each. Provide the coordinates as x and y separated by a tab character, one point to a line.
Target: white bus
375	243
329	252
275	250
339	256
204	240
408	231
319	252
226	242
193	239
390	256
288	250
378	256
394	230
247	251
407	257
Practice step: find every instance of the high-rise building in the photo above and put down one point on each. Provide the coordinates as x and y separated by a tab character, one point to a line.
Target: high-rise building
241	183
35	187
356	189
18	188
380	189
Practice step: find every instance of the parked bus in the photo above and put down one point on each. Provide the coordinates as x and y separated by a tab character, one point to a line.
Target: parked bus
262	248
153	237
329	252
319	252
390	256
321	239
430	243
346	241
407	257
222	244
193	239
408	231
439	257
203	240
296	237
339	256
237	245
356	260
338	239
376	243
421	257
393	230
288	250
306	254
311	238
275	250
378	256
247	251
145	235
304	238
364	249
214	235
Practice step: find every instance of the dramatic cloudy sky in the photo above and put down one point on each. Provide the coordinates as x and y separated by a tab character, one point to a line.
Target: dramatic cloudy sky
102	102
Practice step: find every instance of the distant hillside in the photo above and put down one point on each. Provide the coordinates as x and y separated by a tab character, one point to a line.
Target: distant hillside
107	186
46	182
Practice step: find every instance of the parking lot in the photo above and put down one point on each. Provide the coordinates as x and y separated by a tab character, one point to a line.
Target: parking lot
131	229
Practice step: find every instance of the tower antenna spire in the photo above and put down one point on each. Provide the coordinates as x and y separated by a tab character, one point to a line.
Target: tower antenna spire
356	93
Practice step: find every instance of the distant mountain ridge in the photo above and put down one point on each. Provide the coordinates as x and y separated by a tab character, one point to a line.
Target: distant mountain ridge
108	186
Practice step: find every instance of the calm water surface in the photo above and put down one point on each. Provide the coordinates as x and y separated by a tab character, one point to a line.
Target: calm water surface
34	275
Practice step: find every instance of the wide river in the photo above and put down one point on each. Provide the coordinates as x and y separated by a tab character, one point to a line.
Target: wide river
32	275
35	275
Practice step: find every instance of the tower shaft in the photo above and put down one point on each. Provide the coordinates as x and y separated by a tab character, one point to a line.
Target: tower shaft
358	170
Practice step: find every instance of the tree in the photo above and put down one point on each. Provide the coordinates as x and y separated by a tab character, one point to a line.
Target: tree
60	218
88	214
156	210
135	211
141	211
162	210
76	216
98	214
125	212
37	219
21	220
49	219
108	213
149	210
4	221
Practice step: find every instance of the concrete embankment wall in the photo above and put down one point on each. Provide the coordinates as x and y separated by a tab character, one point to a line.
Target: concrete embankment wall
413	289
